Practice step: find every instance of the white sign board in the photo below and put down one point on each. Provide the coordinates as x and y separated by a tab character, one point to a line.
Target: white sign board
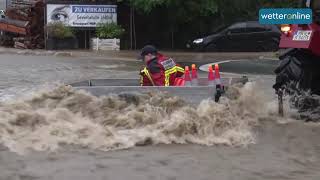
81	15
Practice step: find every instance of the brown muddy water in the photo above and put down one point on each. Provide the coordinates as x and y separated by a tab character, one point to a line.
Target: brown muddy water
54	132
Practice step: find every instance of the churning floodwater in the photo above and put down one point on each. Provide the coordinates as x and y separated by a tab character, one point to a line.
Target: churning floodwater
63	133
67	116
39	113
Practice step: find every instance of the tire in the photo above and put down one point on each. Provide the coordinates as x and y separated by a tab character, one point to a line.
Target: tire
299	76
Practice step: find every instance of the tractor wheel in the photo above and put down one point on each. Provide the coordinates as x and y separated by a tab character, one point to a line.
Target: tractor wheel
298	75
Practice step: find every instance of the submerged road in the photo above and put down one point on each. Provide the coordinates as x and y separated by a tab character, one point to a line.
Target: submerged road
19	74
286	150
281	153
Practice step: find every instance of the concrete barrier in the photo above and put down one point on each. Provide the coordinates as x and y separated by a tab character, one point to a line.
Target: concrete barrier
192	94
135	82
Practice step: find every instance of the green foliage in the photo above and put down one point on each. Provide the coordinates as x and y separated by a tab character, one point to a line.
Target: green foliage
231	10
182	20
146	5
179	10
59	30
279	3
182	11
109	31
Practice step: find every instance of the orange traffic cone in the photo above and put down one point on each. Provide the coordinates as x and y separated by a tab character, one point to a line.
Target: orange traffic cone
217	74
194	75
211	77
187	79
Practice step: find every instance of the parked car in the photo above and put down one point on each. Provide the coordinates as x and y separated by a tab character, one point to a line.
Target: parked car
2	13
242	36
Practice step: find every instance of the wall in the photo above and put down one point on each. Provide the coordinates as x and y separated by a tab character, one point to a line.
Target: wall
3	4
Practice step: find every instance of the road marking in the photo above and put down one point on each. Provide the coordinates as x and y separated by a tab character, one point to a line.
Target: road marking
205	67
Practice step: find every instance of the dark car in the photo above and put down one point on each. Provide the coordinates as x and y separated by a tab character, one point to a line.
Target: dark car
242	36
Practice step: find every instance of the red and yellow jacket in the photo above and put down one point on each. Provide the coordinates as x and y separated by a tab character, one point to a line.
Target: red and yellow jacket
160	71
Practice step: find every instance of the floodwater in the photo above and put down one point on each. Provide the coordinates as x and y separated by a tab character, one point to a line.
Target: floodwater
50	131
20	74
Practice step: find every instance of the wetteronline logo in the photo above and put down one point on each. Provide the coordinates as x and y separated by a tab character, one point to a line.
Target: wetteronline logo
285	16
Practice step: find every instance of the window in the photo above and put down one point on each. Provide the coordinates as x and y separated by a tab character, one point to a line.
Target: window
237	26
237	30
256	29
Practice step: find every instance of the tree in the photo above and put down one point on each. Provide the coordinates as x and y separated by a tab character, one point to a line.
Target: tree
182	10
177	11
191	18
279	3
231	10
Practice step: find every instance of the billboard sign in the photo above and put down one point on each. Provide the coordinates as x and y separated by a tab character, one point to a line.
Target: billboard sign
75	15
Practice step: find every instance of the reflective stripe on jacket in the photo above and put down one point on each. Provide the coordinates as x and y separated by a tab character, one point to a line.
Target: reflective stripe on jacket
161	71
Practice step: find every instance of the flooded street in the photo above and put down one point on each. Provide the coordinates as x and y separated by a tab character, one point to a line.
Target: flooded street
61	134
19	74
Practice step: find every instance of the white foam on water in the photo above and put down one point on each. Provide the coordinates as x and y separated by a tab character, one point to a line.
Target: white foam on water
50	118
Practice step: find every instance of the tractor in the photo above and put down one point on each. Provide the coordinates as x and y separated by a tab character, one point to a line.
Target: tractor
298	73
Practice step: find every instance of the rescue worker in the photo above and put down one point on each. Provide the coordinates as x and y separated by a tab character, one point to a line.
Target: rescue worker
159	70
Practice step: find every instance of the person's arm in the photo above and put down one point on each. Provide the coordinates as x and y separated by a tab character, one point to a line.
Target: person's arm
144	79
180	70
